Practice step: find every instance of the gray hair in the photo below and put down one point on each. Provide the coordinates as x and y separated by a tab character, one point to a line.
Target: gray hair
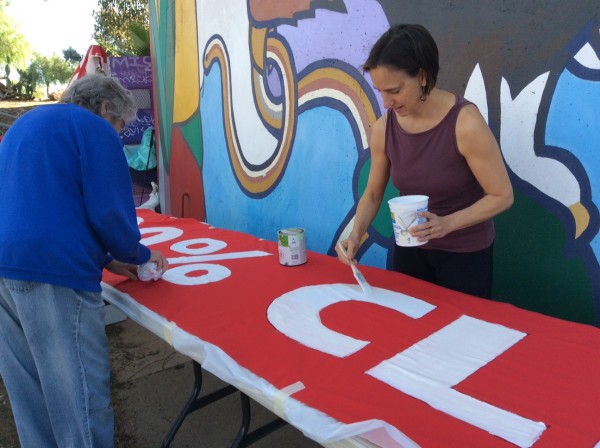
96	89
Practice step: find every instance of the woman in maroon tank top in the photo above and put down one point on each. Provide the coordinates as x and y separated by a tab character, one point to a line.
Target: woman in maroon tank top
435	143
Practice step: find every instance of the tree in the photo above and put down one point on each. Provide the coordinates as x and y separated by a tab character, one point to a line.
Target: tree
14	48
52	69
71	56
113	21
28	80
140	37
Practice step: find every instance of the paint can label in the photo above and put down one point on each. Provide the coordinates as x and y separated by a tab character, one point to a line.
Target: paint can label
292	246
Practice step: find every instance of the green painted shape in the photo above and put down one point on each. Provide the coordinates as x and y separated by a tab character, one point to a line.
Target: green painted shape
383	221
531	270
163	52
192	133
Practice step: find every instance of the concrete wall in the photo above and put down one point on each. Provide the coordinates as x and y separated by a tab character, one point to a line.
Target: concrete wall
264	117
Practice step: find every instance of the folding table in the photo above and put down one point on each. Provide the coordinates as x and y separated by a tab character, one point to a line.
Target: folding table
411	365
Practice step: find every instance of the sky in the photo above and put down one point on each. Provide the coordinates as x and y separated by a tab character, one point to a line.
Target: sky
52	26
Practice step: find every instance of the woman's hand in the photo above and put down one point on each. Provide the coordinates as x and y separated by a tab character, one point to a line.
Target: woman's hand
346	250
435	227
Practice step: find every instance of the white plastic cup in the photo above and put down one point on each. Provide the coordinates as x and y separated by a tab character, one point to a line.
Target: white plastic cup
404	211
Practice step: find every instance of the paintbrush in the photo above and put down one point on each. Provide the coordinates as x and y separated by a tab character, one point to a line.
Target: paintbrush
360	278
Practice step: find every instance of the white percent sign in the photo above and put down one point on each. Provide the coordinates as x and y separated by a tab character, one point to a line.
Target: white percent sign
196	259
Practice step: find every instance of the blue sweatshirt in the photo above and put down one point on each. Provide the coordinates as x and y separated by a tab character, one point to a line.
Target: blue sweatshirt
66	201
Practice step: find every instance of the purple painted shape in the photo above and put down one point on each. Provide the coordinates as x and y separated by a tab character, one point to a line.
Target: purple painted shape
274	82
133	72
334	35
132	134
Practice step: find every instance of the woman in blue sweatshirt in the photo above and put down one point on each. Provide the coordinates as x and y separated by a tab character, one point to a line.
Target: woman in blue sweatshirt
67	213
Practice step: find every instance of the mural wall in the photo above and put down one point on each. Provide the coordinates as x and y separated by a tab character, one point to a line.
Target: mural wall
263	122
135	74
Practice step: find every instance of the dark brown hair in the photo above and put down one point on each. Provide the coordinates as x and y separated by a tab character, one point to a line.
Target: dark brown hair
406	47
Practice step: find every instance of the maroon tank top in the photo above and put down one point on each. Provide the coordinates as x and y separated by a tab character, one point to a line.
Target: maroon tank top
429	163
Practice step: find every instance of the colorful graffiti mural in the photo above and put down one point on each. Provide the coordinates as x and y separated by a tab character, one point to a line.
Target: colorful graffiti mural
264	118
135	73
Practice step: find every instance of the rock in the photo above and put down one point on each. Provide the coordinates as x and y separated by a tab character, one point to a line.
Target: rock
56	96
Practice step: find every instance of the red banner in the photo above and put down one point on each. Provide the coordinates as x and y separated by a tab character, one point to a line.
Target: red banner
443	368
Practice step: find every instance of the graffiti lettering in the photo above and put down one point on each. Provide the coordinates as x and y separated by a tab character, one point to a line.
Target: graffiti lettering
134	130
132	71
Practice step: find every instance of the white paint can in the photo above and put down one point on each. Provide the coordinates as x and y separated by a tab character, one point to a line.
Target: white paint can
292	246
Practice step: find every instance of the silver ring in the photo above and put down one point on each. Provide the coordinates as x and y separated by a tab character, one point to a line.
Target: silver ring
431	230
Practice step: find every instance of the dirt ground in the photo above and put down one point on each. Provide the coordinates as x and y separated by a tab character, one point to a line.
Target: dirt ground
11	110
8	433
